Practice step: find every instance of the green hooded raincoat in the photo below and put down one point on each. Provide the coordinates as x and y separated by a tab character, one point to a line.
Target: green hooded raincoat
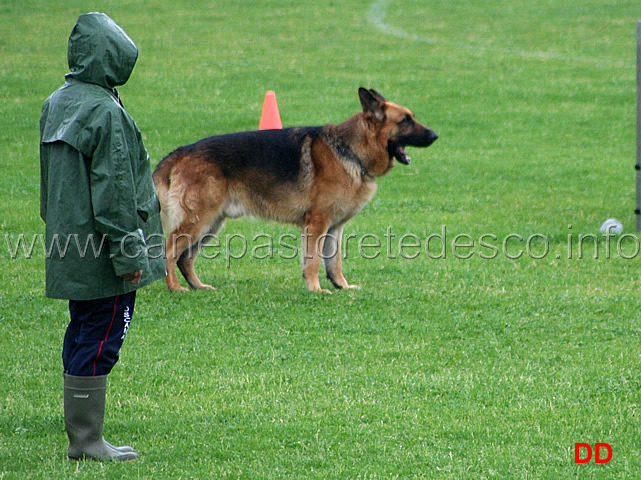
97	197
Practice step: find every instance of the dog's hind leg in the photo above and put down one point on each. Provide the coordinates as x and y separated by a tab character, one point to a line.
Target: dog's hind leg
197	215
178	244
332	257
183	245
188	257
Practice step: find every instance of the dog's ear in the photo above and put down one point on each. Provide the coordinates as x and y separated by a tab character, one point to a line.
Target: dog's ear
377	95
372	102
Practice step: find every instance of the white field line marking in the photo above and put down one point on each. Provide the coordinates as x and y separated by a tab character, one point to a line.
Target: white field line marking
378	11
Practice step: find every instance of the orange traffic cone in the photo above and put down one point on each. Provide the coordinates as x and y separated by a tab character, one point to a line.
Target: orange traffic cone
270	118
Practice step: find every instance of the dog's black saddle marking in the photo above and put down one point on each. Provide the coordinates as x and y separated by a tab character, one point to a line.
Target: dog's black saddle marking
276	153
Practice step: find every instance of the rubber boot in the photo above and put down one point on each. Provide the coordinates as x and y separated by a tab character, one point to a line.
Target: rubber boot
84	404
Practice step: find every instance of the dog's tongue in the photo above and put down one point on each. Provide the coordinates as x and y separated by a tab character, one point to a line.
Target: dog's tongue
401	155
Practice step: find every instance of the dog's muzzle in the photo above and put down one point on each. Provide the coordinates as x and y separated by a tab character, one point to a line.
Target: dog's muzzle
420	139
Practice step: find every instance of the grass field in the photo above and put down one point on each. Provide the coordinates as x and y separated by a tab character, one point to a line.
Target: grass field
443	368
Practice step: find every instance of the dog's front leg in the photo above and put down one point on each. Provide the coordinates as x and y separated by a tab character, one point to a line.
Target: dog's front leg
314	234
333	259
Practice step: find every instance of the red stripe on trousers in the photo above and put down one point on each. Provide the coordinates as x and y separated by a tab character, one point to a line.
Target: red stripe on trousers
113	317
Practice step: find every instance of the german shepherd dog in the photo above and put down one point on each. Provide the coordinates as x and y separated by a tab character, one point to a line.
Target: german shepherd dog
317	178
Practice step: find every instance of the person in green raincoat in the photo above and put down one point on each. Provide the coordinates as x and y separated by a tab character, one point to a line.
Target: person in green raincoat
103	231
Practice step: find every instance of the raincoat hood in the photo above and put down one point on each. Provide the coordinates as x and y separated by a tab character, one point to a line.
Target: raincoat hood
100	52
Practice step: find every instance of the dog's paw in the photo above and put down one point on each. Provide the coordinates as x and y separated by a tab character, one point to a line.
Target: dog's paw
320	290
178	289
353	287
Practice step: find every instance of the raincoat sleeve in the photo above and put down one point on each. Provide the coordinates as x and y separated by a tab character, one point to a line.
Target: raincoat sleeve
113	193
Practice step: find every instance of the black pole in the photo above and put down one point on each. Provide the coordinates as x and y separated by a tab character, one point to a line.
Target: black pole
638	164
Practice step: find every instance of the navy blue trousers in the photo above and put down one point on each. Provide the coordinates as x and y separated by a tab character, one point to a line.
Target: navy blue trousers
95	334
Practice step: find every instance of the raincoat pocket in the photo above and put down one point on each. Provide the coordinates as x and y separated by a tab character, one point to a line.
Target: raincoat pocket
149	208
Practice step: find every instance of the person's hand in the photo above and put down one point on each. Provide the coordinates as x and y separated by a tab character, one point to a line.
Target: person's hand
133	277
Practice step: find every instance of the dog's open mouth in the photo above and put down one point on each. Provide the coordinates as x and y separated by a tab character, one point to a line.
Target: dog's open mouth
398	152
396	149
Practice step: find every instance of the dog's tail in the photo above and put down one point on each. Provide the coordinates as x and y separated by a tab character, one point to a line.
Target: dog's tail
169	196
